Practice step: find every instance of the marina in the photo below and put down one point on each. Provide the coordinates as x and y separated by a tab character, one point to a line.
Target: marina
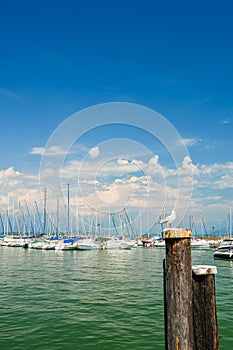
98	299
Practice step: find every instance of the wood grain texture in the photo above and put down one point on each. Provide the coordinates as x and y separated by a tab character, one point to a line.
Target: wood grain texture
178	295
204	313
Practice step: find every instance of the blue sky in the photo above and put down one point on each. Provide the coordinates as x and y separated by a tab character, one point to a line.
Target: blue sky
58	57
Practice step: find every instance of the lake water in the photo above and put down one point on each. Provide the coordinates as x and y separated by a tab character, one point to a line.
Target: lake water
107	300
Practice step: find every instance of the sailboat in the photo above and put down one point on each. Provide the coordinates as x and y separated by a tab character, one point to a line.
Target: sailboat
67	244
117	242
88	244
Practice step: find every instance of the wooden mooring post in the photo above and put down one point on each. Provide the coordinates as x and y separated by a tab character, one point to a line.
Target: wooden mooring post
178	290
189	297
204	308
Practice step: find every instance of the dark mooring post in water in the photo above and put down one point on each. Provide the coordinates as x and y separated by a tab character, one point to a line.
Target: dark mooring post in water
178	290
204	308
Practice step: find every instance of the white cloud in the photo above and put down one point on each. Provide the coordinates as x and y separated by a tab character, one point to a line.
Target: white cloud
122	161
154	160
10	178
94	152
188	142
225	181
49	151
188	167
38	150
9	173
91	182
134	183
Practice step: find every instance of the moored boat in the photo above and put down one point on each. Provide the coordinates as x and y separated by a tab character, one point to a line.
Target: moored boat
67	244
88	244
159	243
116	243
226	242
199	243
224	253
225	250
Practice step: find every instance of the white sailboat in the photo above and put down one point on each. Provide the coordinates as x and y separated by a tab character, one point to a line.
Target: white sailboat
88	244
116	243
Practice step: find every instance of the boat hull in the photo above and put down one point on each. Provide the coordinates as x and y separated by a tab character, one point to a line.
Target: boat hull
226	256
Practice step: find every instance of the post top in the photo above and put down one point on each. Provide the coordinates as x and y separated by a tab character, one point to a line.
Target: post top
177	233
204	270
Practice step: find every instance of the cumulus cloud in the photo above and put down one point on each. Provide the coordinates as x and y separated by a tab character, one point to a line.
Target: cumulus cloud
8	173
225	181
133	182
94	152
122	161
10	178
188	167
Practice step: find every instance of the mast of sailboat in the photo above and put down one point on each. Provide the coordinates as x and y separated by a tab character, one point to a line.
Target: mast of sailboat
190	222
123	223
230	224
114	224
39	218
24	221
204	226
45	200
68	209
30	223
13	215
76	215
10	225
58	223
2	224
7	215
129	222
19	211
109	223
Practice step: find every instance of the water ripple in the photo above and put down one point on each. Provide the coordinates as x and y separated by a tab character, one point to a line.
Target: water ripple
95	299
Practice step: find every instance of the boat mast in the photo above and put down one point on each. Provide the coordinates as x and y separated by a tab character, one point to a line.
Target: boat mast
68	209
13	216
58	223
76	216
2	224
7	215
39	218
45	198
19	211
30	223
230	224
123	223
114	223
24	221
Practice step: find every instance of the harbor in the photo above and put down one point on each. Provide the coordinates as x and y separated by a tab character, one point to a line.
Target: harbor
39	227
85	300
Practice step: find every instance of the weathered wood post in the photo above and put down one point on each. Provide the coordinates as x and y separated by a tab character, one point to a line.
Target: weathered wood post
178	290
204	308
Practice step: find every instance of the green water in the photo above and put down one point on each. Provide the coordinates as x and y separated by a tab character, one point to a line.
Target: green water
108	300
